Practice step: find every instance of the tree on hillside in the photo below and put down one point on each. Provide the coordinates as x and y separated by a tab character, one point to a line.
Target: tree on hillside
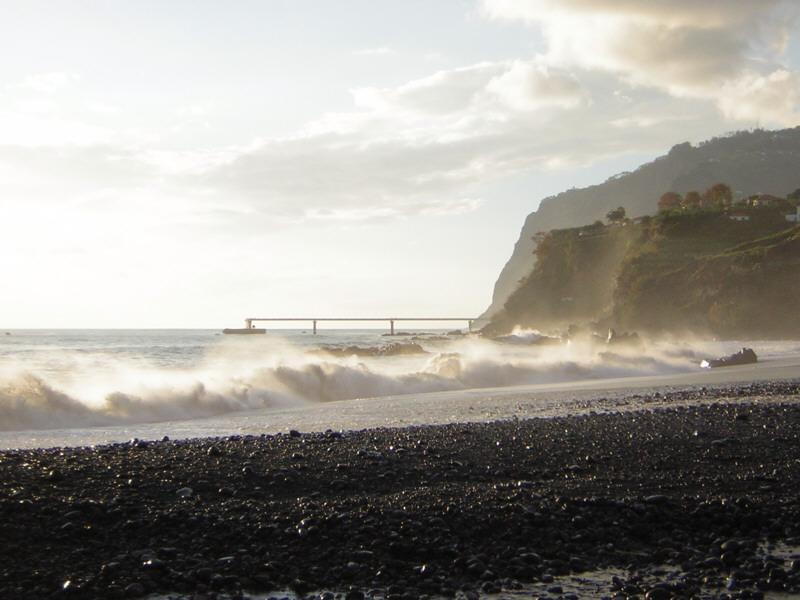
692	200
706	201
669	201
616	216
719	194
538	238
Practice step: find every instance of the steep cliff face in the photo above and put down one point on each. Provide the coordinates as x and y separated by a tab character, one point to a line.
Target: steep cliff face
573	280
758	162
698	273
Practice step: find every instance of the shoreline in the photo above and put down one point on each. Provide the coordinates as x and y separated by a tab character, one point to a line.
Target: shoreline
692	482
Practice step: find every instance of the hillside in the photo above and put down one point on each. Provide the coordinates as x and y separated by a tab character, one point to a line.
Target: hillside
751	163
683	272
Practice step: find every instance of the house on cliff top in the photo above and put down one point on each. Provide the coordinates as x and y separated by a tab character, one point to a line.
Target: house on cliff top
764	200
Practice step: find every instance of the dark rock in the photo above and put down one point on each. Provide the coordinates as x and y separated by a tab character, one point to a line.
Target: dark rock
656	499
743	357
185	492
658	593
134	590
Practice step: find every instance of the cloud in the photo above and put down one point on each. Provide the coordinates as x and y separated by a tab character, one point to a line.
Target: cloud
691	49
413	149
613	78
700	13
527	86
37	125
444	92
420	148
47	83
772	98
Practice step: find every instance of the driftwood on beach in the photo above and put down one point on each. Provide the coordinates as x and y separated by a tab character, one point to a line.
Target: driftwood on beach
461	509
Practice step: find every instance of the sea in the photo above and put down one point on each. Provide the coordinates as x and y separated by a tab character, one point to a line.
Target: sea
87	387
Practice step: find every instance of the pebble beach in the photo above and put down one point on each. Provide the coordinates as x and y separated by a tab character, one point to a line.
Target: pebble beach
674	500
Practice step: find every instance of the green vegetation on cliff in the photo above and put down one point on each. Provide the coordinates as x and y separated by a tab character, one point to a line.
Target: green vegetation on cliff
697	271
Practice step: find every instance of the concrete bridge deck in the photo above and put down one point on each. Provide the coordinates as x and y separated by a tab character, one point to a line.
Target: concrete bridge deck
250	328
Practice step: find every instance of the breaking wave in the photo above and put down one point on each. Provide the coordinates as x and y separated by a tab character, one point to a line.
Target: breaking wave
70	389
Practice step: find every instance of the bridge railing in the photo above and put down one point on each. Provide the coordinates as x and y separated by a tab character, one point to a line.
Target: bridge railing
391	320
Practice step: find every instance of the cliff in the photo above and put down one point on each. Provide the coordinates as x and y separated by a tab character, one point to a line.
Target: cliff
757	162
690	272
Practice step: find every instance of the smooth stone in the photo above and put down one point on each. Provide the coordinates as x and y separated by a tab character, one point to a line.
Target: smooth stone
134	590
656	499
556	589
658	594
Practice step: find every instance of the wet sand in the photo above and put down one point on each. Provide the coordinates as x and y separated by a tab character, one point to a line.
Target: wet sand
678	495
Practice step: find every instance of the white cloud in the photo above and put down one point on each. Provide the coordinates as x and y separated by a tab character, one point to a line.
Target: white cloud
36	126
771	98
697	13
412	149
527	86
691	49
416	149
444	92
47	83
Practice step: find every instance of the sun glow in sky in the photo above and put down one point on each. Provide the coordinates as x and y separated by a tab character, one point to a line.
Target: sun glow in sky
191	163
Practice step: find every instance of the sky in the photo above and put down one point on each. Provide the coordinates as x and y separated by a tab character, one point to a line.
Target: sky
191	163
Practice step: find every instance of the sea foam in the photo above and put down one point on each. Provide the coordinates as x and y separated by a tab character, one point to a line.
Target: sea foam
72	387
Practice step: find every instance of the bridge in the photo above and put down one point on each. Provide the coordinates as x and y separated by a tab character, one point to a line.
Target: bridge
250	328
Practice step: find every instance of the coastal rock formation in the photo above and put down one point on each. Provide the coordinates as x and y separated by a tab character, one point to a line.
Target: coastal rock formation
755	162
694	273
395	349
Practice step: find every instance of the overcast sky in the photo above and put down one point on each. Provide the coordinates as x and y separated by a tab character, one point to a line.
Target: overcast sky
191	163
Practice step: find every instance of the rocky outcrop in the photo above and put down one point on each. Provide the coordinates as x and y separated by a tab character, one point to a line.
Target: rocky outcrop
685	273
745	356
751	163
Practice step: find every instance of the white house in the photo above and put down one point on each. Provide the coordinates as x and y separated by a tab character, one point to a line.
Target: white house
795	218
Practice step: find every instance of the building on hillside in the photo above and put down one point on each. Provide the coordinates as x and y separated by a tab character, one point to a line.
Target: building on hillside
764	200
794	217
737	216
